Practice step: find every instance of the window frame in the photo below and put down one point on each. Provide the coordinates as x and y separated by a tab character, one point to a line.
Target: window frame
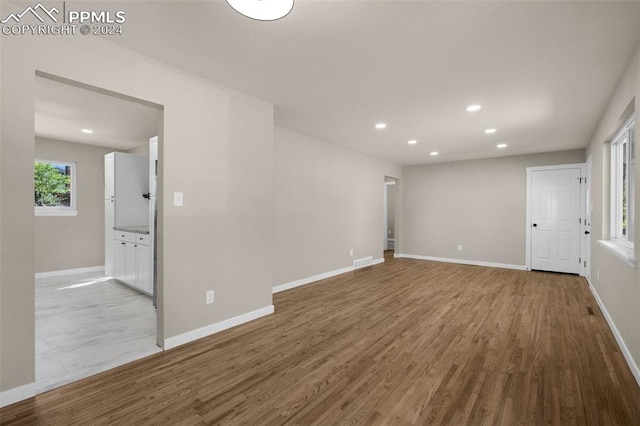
59	210
625	136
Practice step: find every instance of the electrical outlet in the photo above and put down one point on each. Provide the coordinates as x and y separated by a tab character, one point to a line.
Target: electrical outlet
598	275
351	252
459	247
209	297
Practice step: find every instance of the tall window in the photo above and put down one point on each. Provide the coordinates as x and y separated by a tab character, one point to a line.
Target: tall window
622	186
54	188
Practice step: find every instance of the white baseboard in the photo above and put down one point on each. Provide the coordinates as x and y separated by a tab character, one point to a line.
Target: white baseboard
323	276
623	347
199	333
18	394
463	261
69	272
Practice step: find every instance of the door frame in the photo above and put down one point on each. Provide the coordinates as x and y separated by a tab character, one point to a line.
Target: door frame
387	183
529	197
586	209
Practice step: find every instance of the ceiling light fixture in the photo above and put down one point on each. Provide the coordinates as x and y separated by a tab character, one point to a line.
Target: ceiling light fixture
412	142
87	131
381	125
473	108
501	145
434	153
490	131
262	10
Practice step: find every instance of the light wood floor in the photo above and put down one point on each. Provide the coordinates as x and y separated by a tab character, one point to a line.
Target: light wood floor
88	323
405	342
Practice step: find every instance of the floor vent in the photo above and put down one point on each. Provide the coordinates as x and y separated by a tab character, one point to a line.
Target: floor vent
363	263
590	310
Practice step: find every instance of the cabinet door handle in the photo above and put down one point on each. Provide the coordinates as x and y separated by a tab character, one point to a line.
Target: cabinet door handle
123	243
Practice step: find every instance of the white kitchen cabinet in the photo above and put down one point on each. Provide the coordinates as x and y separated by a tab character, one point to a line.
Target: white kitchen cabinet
132	260
119	261
126	182
143	268
131	264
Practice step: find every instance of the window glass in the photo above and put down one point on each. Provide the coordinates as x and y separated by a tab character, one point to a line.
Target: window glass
54	186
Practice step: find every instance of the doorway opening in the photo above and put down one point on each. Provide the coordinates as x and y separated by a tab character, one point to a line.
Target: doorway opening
391	200
87	321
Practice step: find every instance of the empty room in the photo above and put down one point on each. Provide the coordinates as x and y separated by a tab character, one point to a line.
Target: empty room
338	212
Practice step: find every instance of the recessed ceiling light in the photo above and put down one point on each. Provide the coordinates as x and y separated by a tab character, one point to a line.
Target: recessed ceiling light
434	153
381	125
412	142
490	131
474	108
88	131
502	145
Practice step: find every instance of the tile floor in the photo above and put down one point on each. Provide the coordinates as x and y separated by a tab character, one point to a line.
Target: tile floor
88	323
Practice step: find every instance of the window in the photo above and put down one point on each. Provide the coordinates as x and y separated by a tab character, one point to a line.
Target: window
622	186
54	188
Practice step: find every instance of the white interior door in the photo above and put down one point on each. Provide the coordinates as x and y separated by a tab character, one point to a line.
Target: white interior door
555	220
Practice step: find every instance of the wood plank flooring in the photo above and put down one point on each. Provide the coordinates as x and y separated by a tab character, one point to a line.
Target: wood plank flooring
404	342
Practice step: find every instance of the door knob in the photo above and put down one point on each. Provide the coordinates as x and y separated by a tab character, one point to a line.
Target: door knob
535	225
586	232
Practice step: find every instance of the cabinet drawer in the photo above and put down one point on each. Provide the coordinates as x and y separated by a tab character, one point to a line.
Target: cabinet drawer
129	237
142	239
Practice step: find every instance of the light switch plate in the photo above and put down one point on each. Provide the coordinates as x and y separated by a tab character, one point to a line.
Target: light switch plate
178	199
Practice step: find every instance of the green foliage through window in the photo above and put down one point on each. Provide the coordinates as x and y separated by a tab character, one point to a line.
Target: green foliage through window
52	185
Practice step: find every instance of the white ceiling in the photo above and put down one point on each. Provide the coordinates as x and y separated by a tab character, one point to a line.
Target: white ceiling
543	70
63	110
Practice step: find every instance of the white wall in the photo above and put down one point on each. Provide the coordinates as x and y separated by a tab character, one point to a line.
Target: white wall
480	204
328	200
140	149
216	147
619	284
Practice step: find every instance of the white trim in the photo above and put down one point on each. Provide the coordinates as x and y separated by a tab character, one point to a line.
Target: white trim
69	272
527	222
210	329
585	238
463	261
623	347
18	394
385	225
558	167
52	211
319	277
621	252
309	280
529	202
